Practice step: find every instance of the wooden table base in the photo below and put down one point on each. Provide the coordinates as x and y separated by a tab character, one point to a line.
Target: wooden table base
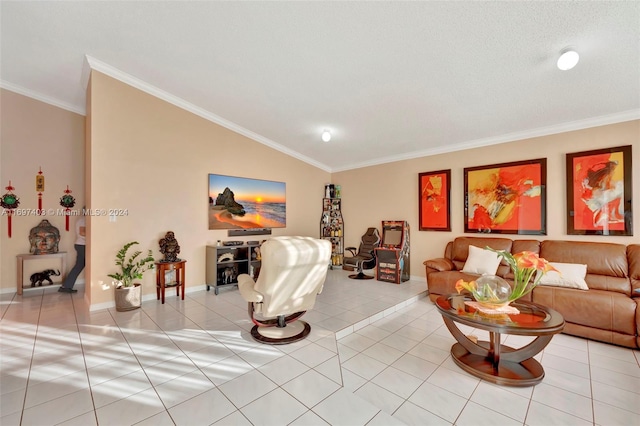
526	373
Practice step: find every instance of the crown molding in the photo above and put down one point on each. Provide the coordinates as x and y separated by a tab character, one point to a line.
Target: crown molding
603	120
115	73
40	97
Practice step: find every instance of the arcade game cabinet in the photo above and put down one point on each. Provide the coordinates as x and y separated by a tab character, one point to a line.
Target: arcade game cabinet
393	254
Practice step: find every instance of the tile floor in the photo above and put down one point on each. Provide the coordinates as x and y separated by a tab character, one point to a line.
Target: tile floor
378	354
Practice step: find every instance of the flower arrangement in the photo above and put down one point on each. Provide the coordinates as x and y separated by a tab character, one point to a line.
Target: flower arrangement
524	265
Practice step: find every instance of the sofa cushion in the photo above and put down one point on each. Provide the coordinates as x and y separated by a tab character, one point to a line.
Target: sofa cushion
570	275
460	250
481	261
600	309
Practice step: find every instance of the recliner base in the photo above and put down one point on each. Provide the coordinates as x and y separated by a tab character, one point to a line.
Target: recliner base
360	276
292	332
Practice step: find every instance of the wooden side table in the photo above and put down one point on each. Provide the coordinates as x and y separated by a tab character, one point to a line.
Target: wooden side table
62	255
162	268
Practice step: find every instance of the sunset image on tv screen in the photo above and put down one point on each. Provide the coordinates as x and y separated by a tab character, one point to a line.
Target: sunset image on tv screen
244	203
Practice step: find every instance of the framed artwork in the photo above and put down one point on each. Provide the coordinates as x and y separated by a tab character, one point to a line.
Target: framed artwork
508	198
434	200
599	192
170	277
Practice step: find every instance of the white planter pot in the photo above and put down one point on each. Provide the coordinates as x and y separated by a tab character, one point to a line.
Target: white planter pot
128	298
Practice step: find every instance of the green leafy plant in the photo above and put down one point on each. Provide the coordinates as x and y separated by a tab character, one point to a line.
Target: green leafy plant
133	267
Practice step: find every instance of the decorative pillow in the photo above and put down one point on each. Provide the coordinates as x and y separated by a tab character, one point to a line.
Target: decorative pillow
481	261
571	276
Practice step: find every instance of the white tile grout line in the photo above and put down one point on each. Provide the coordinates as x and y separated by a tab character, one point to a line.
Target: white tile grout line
375	317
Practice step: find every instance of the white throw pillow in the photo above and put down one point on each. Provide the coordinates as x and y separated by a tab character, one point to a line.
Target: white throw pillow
481	261
571	276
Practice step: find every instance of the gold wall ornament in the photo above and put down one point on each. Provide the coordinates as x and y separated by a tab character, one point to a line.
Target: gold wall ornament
40	189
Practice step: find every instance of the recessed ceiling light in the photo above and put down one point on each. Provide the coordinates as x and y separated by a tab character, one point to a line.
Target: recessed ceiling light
568	59
326	136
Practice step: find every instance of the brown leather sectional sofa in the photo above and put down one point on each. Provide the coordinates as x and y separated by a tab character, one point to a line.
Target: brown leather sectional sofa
609	311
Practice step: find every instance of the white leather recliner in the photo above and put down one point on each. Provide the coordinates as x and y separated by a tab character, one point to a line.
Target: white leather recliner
292	274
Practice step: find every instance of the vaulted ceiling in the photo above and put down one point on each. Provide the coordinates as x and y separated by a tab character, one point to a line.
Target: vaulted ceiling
390	80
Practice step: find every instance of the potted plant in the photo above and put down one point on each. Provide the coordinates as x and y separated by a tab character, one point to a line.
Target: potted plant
128	294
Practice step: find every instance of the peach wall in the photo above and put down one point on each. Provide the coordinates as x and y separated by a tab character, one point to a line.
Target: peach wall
153	159
390	191
34	134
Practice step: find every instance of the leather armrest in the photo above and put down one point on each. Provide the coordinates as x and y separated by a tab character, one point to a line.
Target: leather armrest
245	286
351	249
442	264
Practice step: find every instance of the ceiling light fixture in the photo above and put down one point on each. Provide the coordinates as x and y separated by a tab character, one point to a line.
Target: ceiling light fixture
568	59
326	136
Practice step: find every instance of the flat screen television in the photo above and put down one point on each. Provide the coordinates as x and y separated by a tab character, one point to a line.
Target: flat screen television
245	203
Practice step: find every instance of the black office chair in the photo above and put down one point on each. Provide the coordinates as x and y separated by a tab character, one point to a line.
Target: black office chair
365	258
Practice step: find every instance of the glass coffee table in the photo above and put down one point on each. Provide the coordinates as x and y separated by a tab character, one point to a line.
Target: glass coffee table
492	361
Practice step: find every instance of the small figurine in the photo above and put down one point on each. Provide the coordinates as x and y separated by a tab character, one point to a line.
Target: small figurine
40	277
169	247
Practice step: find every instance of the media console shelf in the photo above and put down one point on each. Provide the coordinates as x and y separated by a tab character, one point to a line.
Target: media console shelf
22	258
225	263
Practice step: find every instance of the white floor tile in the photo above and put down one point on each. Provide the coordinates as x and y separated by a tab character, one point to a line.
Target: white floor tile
310	388
283	369
247	388
183	388
397	381
499	399
438	401
309	419
130	410
59	410
364	366
569	402
544	415
479	415
207	408
411	414
275	408
606	414
380	397
345	408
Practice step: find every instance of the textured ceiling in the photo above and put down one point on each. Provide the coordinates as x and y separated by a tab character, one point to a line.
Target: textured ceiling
391	80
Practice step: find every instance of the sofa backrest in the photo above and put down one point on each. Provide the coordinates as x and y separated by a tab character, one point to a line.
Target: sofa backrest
633	257
607	266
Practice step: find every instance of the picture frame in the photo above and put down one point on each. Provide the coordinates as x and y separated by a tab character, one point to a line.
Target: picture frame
599	191
434	200
506	198
170	277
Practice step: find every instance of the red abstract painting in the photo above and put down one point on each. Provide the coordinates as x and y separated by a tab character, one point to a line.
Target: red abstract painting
434	191
599	192
507	198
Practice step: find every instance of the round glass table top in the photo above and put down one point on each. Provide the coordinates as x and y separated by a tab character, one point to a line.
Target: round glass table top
531	318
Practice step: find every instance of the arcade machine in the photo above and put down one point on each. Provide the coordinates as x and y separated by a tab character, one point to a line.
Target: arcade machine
393	254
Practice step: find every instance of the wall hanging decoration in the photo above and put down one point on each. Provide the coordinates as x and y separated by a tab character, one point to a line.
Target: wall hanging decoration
40	189
9	202
599	192
508	198
67	201
433	200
